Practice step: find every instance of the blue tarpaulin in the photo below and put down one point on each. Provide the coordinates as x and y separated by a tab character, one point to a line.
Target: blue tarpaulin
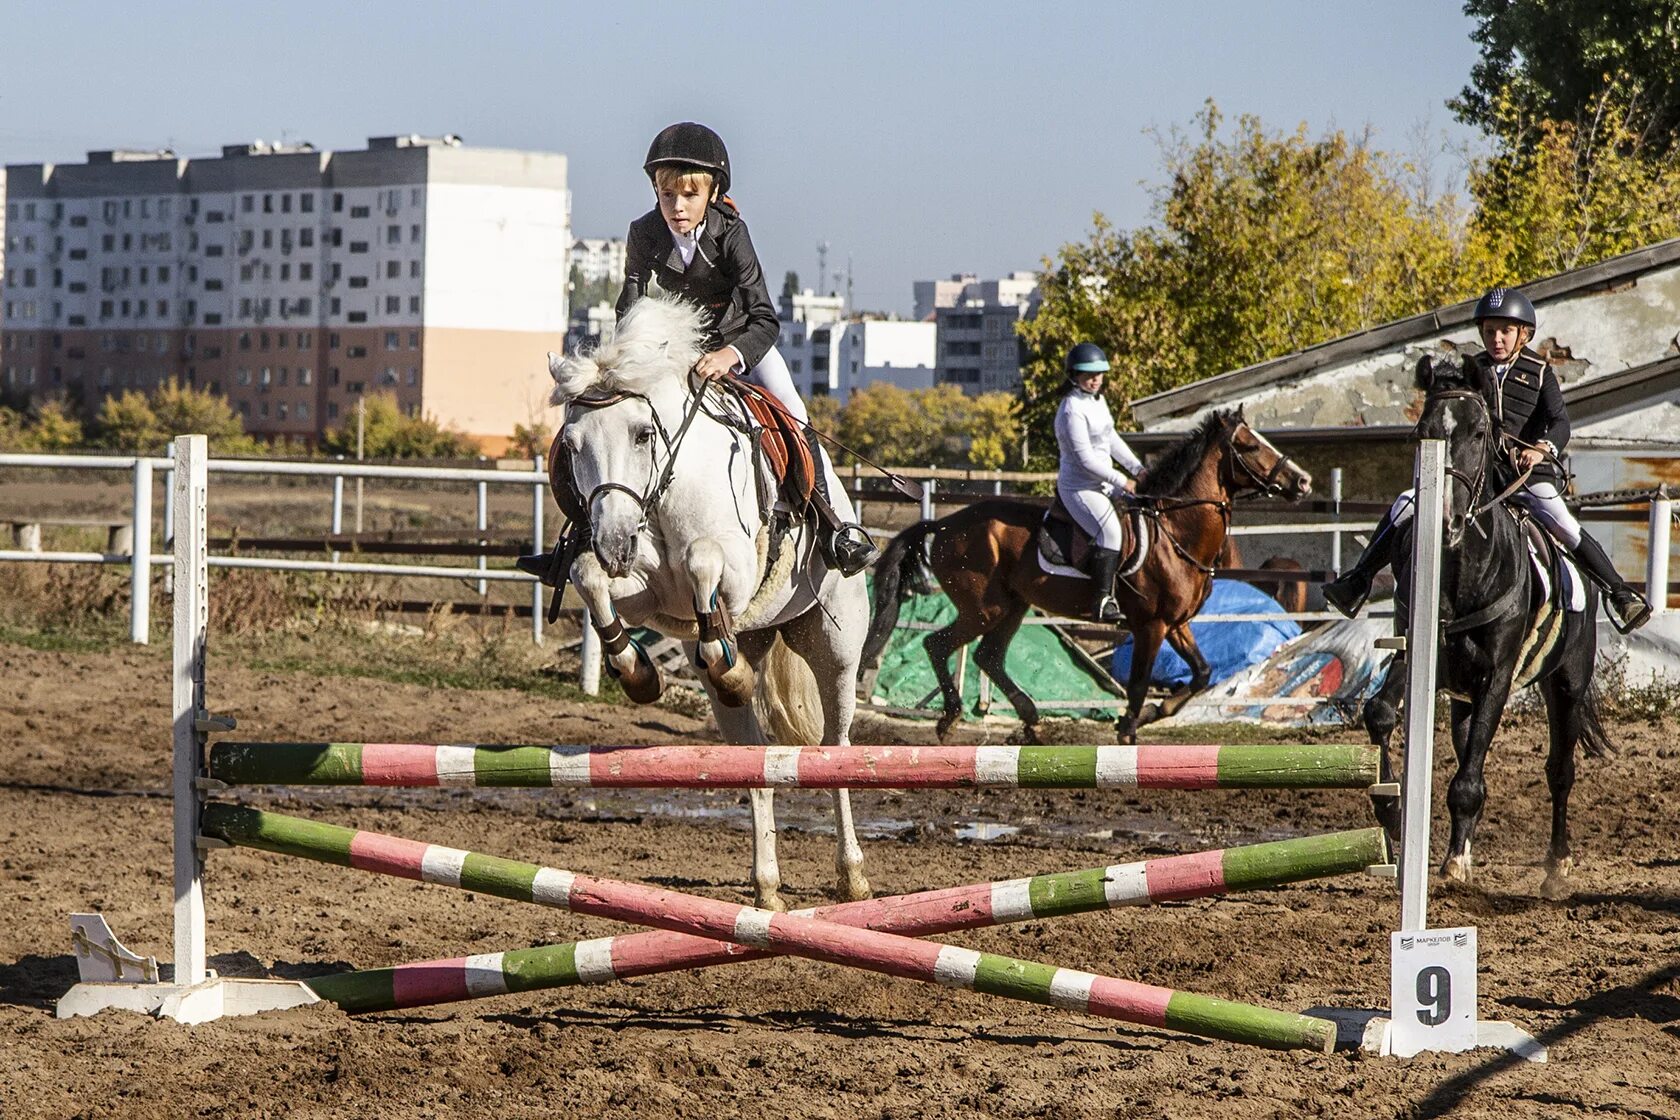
1230	647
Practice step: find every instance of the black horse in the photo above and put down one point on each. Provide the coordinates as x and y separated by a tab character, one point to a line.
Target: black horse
1499	630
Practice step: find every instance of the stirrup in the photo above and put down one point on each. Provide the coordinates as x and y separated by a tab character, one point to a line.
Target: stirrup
849	549
1626	624
1108	610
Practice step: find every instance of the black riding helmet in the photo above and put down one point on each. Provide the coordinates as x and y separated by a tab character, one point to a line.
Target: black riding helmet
1087	357
690	145
1506	303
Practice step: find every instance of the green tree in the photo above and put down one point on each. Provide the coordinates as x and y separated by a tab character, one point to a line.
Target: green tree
530	440
126	422
1548	60
54	428
587	293
994	431
1264	243
389	434
183	410
908	427
1560	194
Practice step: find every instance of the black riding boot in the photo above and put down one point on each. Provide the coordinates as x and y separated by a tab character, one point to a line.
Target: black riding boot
1629	609
1348	591
1104	563
546	566
846	546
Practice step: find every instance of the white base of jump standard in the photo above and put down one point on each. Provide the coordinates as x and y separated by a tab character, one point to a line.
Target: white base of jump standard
1371	1031
106	966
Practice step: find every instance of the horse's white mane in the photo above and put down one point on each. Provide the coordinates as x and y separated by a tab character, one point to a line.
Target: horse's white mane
659	337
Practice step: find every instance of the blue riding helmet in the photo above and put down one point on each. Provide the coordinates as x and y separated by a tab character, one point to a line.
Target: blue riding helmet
1087	357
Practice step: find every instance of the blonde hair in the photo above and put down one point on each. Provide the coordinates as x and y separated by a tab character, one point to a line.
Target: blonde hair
676	178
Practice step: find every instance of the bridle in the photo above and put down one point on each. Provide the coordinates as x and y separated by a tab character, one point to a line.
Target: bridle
648	498
1267	484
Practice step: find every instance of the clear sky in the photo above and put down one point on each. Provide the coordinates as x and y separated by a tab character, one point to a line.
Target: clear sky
918	139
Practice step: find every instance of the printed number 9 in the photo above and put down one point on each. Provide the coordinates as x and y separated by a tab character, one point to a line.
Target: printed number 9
1434	996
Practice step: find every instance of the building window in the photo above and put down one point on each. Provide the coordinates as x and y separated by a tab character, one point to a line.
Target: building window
358	281
332	410
305	375
358	211
358	246
247	204
392	340
393	305
306	202
414	305
306	237
393	235
413	376
356	352
393	270
414	233
357	316
242	377
306	271
414	340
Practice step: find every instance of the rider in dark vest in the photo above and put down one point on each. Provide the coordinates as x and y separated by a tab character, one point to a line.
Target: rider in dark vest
1527	403
694	243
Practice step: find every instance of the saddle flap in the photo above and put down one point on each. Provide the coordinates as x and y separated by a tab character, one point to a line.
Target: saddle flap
784	445
1061	539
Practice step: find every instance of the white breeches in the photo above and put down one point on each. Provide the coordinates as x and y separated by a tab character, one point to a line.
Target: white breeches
1539	498
1096	514
771	374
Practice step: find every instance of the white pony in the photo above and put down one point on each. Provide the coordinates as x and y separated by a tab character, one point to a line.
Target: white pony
681	528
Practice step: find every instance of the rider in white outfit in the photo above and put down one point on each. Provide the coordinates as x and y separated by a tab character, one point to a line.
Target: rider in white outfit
1086	479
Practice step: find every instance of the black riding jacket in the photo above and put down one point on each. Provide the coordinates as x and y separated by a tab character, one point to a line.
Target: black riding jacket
724	277
1529	405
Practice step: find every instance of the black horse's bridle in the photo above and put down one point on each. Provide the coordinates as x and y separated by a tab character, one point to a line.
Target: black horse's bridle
647	499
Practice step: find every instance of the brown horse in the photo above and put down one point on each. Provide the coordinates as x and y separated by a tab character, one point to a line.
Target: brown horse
985	557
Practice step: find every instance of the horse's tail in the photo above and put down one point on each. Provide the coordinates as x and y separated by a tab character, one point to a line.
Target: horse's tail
788	702
1594	742
901	569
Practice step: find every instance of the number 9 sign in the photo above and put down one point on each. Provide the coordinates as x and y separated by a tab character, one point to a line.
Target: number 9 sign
1433	991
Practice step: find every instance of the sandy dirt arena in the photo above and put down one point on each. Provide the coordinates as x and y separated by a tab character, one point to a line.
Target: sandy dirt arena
84	824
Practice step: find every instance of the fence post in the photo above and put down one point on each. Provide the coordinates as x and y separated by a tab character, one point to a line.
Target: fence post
1336	515
539	491
1421	649
483	526
589	673
927	499
140	576
1656	556
192	620
169	523
337	507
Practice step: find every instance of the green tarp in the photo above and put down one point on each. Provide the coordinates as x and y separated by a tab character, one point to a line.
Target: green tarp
1039	660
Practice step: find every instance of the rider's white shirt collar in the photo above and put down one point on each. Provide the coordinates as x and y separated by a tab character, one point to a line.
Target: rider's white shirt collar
687	244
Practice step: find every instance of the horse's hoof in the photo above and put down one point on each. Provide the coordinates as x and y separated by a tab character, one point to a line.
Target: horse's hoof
1125	733
1025	735
1557	885
770	901
734	685
852	887
943	727
1457	868
1150	713
643	683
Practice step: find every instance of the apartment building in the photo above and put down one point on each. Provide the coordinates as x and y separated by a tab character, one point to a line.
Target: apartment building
978	349
837	358
294	281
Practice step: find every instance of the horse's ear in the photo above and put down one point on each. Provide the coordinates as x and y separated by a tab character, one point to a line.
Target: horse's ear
555	361
1424	374
1241	419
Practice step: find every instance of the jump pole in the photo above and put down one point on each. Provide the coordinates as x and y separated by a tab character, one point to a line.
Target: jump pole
795	935
923	914
1165	766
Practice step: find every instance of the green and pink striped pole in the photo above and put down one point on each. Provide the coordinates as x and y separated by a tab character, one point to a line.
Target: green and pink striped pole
796	935
926	913
1155	766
